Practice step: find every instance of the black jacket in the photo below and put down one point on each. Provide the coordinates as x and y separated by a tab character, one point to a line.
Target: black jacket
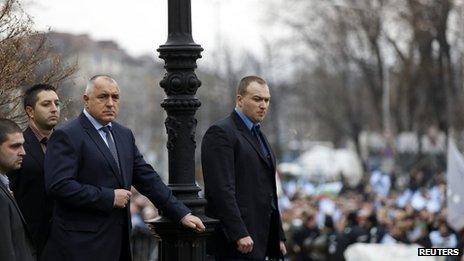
81	175
15	241
240	188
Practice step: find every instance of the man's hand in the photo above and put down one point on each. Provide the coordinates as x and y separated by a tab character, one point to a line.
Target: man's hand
121	198
193	222
283	249
245	245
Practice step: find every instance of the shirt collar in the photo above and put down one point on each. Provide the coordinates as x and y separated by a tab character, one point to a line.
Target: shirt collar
245	119
37	133
97	125
4	180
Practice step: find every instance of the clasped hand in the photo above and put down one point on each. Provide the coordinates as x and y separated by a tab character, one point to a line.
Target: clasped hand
121	198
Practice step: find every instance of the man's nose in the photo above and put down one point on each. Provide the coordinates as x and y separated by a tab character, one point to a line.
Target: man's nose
54	107
110	102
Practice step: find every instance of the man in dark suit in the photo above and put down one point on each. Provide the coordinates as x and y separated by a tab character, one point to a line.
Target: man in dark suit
90	165
240	186
15	242
41	104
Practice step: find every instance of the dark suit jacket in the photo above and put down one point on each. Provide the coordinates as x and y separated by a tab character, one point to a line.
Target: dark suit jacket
240	188
81	175
15	242
28	187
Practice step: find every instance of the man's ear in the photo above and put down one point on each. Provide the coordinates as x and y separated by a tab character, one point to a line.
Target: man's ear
85	98
239	100
30	112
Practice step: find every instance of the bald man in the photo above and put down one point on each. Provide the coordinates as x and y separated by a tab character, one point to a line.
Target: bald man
90	165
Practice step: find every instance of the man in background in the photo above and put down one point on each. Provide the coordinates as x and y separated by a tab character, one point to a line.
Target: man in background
42	107
15	242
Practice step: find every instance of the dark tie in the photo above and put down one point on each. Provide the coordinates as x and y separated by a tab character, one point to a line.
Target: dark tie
43	143
111	145
259	136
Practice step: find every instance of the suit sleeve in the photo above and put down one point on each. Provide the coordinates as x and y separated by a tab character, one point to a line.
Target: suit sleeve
6	247
60	169
217	157
148	182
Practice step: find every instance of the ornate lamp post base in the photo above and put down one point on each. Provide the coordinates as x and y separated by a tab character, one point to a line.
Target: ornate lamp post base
179	243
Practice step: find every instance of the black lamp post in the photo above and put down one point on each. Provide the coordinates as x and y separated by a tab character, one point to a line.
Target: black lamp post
180	84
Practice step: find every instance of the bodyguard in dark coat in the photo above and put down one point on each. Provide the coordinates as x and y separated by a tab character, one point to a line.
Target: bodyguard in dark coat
41	104
90	165
15	241
240	186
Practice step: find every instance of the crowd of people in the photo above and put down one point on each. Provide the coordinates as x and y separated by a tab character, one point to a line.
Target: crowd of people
385	208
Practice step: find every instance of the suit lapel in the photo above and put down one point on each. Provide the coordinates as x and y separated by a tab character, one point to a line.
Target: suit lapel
249	137
97	139
8	194
34	147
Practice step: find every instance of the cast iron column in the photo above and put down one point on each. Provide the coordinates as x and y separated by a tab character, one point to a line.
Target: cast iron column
180	84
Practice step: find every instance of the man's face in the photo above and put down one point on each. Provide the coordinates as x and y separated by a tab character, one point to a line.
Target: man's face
255	102
12	152
46	111
103	102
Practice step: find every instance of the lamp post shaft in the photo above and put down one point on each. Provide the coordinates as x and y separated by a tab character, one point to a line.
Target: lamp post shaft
180	84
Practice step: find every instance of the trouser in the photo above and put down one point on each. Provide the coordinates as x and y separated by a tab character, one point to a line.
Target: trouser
125	254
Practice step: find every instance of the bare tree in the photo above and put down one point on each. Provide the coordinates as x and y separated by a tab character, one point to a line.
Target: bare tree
352	46
23	53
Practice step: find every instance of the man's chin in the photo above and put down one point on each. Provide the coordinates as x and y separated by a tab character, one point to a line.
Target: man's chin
108	119
51	125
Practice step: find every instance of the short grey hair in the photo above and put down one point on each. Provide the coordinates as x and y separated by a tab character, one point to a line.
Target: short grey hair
91	83
247	80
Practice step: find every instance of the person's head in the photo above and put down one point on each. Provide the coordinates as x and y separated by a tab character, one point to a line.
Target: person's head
101	98
444	229
253	98
329	222
11	146
398	229
351	219
310	219
42	106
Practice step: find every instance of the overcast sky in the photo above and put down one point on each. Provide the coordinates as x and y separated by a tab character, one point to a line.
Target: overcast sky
140	26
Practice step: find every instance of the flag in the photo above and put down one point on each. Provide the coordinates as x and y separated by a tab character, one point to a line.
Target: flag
455	189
